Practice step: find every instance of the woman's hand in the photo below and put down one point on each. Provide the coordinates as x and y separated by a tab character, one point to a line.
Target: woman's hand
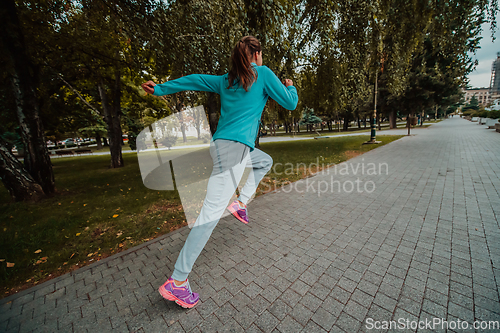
148	87
287	82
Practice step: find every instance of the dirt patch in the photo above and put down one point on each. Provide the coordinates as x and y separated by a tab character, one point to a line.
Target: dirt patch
352	153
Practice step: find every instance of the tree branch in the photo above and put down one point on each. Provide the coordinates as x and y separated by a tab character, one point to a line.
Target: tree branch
79	95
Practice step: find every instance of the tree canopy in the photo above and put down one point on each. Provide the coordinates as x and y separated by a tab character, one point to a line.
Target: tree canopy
76	66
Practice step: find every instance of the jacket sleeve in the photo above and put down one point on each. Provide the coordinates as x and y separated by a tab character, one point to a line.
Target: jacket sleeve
195	82
285	96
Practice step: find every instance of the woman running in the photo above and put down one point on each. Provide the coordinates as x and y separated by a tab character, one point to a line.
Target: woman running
243	93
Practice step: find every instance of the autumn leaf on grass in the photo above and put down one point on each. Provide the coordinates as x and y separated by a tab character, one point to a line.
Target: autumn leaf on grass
2	260
119	234
84	205
116	215
78	233
10	264
42	260
38	251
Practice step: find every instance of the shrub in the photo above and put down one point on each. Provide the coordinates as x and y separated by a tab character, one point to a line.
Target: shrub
168	140
205	137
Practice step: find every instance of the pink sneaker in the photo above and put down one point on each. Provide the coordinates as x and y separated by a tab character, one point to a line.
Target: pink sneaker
239	213
183	296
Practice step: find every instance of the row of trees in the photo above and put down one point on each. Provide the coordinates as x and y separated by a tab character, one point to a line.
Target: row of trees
69	65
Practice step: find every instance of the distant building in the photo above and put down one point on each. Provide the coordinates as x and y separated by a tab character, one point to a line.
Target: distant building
482	95
495	78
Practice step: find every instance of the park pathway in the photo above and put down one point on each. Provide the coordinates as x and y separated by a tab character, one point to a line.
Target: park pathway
424	244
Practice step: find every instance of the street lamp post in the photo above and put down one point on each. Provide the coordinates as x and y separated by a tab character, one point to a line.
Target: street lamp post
373	138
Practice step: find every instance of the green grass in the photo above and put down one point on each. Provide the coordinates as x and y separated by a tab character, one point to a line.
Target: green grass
304	133
99	211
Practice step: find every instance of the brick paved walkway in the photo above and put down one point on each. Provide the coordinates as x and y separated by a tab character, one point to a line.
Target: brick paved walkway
424	244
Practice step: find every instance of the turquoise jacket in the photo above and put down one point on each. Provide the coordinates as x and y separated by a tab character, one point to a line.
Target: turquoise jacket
240	110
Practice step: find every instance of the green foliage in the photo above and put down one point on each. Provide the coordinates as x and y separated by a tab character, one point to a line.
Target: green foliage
12	139
309	117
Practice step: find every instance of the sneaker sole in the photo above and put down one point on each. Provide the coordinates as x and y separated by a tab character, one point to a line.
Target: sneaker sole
235	214
169	296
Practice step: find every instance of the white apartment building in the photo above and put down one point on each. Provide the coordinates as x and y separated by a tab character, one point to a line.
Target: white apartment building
482	95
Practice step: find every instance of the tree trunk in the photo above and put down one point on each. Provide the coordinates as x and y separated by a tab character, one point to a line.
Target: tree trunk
106	143
98	140
392	119
180	117
346	124
213	117
359	123
112	115
379	120
408	123
422	118
23	77
19	183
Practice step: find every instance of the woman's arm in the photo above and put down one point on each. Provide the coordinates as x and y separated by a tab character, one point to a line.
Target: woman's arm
196	82
285	96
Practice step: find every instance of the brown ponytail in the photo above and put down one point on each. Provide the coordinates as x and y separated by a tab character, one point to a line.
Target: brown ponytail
241	69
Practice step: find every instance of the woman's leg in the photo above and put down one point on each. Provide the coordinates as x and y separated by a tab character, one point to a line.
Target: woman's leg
260	163
229	165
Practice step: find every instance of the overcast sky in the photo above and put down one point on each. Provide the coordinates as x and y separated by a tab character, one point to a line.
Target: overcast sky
480	77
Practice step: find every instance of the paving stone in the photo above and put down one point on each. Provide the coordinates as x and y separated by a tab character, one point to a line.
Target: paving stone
301	314
324	319
245	317
266	321
279	309
288	324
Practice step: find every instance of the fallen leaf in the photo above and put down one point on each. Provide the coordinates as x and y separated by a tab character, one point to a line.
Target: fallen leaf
59	204
78	233
72	256
116	215
44	258
65	263
2	260
10	264
119	234
121	245
86	228
71	201
38	251
128	237
84	205
89	255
